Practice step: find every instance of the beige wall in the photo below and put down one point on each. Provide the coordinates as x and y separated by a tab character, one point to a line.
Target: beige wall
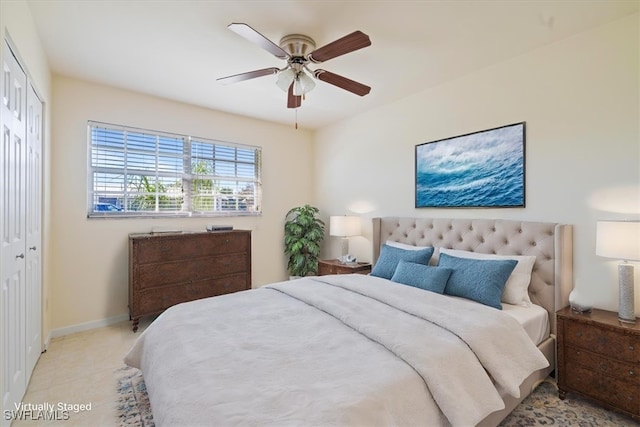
17	25
90	271
579	98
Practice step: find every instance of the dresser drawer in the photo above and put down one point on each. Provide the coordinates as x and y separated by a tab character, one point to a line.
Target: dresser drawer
161	248
598	340
157	300
186	271
603	365
220	286
619	393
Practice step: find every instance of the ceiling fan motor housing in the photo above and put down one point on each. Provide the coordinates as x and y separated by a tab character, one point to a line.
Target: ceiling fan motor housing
297	45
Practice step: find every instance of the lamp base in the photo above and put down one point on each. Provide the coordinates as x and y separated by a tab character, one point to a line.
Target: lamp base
626	310
345	258
627	321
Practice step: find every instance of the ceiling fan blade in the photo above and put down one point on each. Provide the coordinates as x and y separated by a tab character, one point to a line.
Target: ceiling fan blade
349	43
255	37
292	100
246	76
342	82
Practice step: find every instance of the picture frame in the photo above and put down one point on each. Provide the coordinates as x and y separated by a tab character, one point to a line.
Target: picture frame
484	169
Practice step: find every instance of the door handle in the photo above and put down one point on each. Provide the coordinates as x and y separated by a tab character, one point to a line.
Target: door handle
20	256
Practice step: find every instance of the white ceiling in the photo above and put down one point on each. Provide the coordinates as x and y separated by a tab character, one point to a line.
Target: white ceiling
177	49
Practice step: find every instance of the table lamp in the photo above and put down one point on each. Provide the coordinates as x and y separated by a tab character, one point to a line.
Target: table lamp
621	240
344	226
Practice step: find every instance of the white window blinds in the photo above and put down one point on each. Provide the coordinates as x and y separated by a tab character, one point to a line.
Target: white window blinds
135	172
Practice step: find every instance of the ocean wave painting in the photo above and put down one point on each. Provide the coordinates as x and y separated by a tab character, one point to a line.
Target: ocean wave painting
482	169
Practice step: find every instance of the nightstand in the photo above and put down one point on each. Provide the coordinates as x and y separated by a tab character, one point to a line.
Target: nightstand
333	266
599	357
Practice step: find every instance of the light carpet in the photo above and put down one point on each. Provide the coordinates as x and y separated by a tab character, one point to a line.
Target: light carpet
541	408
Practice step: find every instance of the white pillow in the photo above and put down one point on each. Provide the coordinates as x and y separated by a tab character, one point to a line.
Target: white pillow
516	289
404	246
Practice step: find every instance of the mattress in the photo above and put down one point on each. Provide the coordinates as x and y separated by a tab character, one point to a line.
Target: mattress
534	319
365	351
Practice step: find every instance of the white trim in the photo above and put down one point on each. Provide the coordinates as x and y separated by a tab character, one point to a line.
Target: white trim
81	327
47	341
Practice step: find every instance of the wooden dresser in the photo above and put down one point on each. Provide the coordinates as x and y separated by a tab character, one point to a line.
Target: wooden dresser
599	357
167	269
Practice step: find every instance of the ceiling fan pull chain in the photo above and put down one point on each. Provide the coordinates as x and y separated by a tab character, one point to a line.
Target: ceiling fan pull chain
296	110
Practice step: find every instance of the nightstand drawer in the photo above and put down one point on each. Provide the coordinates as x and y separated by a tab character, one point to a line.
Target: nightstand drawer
603	365
598	357
327	269
621	394
330	266
598	340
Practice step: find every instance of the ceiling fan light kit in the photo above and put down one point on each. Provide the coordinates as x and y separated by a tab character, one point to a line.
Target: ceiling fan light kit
303	84
285	78
300	50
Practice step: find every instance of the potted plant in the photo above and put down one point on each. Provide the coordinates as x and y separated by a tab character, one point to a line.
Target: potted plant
303	233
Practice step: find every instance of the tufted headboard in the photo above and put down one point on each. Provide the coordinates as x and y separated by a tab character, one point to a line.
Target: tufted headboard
552	244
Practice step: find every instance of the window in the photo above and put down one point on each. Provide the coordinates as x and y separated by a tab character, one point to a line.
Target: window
136	172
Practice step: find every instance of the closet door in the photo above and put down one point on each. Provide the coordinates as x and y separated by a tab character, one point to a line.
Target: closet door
33	282
13	271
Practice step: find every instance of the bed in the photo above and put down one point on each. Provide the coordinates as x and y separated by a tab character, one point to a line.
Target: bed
367	350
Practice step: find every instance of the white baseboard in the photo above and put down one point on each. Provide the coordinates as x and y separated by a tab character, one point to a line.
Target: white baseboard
81	327
46	343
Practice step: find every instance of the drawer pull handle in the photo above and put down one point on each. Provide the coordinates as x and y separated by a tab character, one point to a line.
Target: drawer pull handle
631	373
578	334
630	397
20	256
631	348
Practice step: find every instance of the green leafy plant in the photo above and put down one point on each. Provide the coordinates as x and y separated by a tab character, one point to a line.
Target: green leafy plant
303	233
151	193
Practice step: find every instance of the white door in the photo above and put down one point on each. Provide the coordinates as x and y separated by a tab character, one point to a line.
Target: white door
13	271
33	282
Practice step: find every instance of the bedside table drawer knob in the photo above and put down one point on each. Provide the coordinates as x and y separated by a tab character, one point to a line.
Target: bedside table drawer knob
631	348
631	373
578	334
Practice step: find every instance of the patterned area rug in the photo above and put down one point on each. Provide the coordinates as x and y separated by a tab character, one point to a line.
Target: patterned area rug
134	408
544	408
541	408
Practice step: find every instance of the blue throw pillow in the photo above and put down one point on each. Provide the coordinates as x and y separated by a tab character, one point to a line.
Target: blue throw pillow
422	276
477	280
390	257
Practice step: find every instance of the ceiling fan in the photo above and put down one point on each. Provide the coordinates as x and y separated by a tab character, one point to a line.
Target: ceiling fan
300	50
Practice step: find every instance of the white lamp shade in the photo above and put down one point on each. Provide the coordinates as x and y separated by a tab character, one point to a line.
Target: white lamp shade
303	84
285	78
618	239
344	226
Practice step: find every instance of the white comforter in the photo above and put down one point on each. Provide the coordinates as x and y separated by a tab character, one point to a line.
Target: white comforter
333	350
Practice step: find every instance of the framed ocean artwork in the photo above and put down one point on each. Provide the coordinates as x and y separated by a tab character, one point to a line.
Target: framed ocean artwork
482	169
